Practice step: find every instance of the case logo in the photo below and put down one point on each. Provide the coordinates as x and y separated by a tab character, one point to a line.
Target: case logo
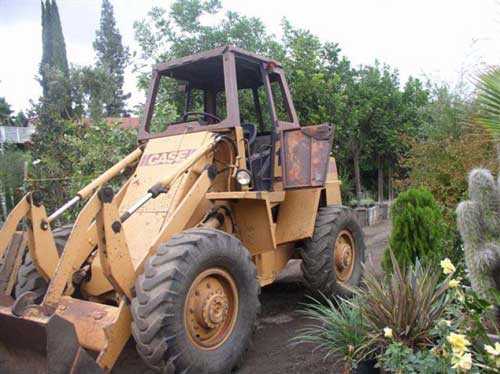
166	158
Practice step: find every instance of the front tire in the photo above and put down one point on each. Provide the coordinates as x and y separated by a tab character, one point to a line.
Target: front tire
28	277
332	260
196	303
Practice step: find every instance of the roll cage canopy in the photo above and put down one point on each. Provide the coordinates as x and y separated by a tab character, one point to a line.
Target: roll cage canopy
227	69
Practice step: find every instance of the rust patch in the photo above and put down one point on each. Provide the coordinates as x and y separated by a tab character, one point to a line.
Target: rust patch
305	155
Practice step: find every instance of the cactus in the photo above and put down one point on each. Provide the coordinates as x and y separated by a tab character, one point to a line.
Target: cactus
479	225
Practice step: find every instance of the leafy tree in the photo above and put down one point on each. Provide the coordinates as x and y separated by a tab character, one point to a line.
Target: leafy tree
20	119
92	142
12	163
5	112
112	59
70	150
54	70
448	113
89	91
77	155
165	35
446	147
441	164
418	230
369	125
365	104
379	116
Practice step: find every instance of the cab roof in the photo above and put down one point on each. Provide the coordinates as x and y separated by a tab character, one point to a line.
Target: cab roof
205	70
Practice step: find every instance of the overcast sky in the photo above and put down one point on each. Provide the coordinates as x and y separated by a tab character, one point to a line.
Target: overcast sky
440	39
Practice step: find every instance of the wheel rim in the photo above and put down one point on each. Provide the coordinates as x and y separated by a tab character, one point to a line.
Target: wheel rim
211	308
345	256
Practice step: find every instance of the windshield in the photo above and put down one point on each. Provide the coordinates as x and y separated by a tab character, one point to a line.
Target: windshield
178	101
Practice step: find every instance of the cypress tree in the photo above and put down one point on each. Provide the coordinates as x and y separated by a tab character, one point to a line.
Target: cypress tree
46	46
112	58
58	45
54	70
418	230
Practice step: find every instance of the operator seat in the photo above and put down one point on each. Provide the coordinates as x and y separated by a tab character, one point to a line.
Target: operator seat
259	161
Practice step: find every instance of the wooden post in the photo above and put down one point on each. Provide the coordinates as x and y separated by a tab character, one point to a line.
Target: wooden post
380	181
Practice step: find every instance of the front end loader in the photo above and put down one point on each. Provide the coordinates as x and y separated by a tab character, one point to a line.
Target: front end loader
211	209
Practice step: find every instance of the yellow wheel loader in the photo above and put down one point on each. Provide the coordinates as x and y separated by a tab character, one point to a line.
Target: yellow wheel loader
210	209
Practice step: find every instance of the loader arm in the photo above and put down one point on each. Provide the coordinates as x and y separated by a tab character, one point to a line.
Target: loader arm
99	232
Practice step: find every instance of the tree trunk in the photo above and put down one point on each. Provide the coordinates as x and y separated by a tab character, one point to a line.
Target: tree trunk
498	151
389	182
357	175
380	181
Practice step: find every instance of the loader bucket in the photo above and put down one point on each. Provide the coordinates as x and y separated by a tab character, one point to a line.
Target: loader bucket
41	345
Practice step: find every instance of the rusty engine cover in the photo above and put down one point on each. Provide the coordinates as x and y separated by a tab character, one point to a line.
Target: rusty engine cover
305	155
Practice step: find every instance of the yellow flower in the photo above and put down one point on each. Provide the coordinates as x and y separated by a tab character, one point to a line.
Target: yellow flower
454	283
463	362
388	332
493	351
448	267
459	343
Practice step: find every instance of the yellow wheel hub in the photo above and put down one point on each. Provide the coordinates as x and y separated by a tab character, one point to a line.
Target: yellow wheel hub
211	308
344	256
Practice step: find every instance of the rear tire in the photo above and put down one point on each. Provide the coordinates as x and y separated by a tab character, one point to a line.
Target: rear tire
170	332
332	260
28	277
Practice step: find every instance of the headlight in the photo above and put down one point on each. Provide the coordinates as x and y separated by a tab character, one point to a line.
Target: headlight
243	177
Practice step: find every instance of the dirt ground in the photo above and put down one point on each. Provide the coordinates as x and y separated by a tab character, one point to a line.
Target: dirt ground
271	352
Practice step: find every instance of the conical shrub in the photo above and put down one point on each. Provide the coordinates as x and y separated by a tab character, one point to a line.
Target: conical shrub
418	229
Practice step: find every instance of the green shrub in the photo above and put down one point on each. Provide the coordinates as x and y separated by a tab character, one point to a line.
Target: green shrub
398	358
12	162
337	329
418	230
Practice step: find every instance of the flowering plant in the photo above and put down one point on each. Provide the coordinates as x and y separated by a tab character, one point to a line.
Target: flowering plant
411	321
459	342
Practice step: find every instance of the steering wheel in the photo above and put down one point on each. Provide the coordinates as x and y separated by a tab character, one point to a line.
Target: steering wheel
250	132
200	114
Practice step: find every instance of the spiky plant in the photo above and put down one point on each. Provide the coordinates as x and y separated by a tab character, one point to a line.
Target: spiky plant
479	225
488	102
408	302
337	329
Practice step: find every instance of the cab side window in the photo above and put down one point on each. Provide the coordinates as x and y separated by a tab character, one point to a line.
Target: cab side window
279	97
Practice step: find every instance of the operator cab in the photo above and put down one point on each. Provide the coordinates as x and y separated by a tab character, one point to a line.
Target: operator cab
222	89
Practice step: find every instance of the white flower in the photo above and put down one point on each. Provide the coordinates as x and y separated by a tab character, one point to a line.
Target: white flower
448	267
445	322
463	362
388	332
494	351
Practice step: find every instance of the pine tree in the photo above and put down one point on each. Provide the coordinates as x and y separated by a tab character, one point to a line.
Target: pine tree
54	70
112	58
